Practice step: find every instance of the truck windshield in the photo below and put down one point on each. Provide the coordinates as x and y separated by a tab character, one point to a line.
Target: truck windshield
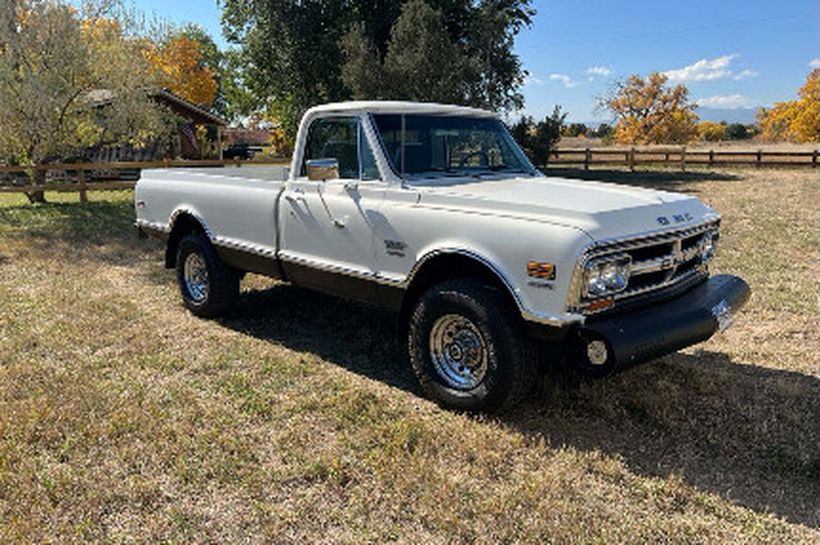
421	146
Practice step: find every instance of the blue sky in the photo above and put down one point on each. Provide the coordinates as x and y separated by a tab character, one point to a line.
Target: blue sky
730	53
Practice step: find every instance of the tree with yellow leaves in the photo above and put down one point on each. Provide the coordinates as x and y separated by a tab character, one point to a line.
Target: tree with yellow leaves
648	112
182	70
795	120
712	131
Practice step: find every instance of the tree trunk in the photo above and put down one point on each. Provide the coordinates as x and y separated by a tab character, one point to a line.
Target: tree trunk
38	196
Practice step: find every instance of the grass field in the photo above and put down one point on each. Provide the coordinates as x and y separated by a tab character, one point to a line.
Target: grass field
123	419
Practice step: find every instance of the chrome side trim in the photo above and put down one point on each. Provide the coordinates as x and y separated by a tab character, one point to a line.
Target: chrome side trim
528	314
373	276
225	242
235	244
152	225
193	213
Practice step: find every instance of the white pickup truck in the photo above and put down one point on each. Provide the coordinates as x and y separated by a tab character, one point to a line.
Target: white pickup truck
433	211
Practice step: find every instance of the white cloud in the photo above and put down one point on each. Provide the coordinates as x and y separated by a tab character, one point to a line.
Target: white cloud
814	63
743	74
727	102
598	71
532	80
565	80
703	70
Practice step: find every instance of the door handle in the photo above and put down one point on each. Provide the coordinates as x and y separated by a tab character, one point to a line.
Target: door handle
299	195
351	186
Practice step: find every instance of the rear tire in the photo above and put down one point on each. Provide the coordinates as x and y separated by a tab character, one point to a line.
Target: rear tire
208	286
468	348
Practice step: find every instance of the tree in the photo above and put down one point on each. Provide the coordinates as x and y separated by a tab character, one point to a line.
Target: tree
183	67
648	112
57	65
737	131
537	139
712	131
576	129
604	130
305	53
796	120
418	36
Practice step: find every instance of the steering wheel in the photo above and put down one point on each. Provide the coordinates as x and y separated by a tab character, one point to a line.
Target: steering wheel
485	159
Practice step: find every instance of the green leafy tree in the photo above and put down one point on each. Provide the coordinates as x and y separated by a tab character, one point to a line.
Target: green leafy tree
737	131
538	138
576	129
419	36
306	53
58	64
604	130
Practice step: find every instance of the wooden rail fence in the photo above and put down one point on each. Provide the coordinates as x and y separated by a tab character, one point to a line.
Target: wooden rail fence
585	157
681	157
80	172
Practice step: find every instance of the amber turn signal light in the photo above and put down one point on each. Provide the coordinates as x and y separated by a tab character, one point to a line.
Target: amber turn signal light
600	304
536	269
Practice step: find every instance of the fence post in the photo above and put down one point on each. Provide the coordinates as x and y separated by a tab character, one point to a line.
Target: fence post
759	158
683	159
236	160
81	186
632	159
711	157
588	156
814	159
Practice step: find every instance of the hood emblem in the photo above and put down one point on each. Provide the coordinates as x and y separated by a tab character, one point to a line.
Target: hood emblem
677	218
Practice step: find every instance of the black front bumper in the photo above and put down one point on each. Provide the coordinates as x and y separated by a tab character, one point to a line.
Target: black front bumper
654	331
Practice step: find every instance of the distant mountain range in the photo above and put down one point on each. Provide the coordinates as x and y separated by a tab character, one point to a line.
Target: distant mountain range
738	115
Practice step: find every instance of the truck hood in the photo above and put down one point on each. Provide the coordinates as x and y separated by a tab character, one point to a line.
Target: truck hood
602	210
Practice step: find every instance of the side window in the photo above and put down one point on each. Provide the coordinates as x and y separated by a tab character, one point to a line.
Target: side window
343	139
334	138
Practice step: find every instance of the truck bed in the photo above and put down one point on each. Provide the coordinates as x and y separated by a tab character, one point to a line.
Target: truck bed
275	173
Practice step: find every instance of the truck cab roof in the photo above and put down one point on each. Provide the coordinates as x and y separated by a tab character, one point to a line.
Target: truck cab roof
400	107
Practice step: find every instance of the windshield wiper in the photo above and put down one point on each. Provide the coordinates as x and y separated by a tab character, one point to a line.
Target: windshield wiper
438	171
504	168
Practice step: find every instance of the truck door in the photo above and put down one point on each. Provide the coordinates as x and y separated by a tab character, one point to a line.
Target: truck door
327	232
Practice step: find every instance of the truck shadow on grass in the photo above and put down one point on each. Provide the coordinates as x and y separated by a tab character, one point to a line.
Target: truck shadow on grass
746	433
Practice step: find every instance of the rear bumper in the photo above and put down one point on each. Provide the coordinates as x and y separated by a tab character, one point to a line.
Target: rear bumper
654	331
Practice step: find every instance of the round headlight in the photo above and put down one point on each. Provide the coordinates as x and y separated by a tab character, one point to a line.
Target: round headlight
615	275
595	284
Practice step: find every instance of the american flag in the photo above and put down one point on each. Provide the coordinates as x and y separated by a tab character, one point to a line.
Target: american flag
188	132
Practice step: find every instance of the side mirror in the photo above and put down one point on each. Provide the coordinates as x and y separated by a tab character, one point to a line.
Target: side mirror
322	169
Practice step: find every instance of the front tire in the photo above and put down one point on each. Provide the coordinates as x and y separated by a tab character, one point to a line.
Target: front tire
468	348
208	286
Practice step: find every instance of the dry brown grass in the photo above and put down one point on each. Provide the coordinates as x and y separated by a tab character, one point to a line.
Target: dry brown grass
125	419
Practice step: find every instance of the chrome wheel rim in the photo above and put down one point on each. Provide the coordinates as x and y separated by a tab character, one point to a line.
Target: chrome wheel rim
458	351
195	276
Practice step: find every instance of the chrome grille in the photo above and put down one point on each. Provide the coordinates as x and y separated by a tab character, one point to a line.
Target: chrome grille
659	260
